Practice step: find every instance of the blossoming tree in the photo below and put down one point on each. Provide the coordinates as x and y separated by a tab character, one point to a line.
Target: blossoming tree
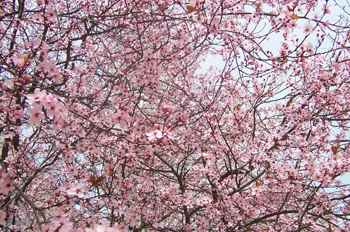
109	124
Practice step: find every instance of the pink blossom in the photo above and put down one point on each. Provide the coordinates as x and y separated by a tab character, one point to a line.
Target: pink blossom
157	126
2	217
4	87
307	28
18	60
59	221
18	114
36	97
193	3
57	192
326	23
120	118
167	107
78	190
327	9
47	66
167	134
57	123
156	134
6	184
103	228
8	187
37	116
51	104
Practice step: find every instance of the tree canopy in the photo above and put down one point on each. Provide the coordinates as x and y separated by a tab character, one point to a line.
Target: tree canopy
109	123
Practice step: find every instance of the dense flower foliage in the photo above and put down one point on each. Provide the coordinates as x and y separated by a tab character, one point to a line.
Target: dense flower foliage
108	123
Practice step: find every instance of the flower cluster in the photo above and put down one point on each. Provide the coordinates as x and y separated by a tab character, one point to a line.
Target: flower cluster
158	134
46	105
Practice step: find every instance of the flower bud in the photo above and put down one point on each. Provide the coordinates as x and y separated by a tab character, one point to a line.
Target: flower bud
57	192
